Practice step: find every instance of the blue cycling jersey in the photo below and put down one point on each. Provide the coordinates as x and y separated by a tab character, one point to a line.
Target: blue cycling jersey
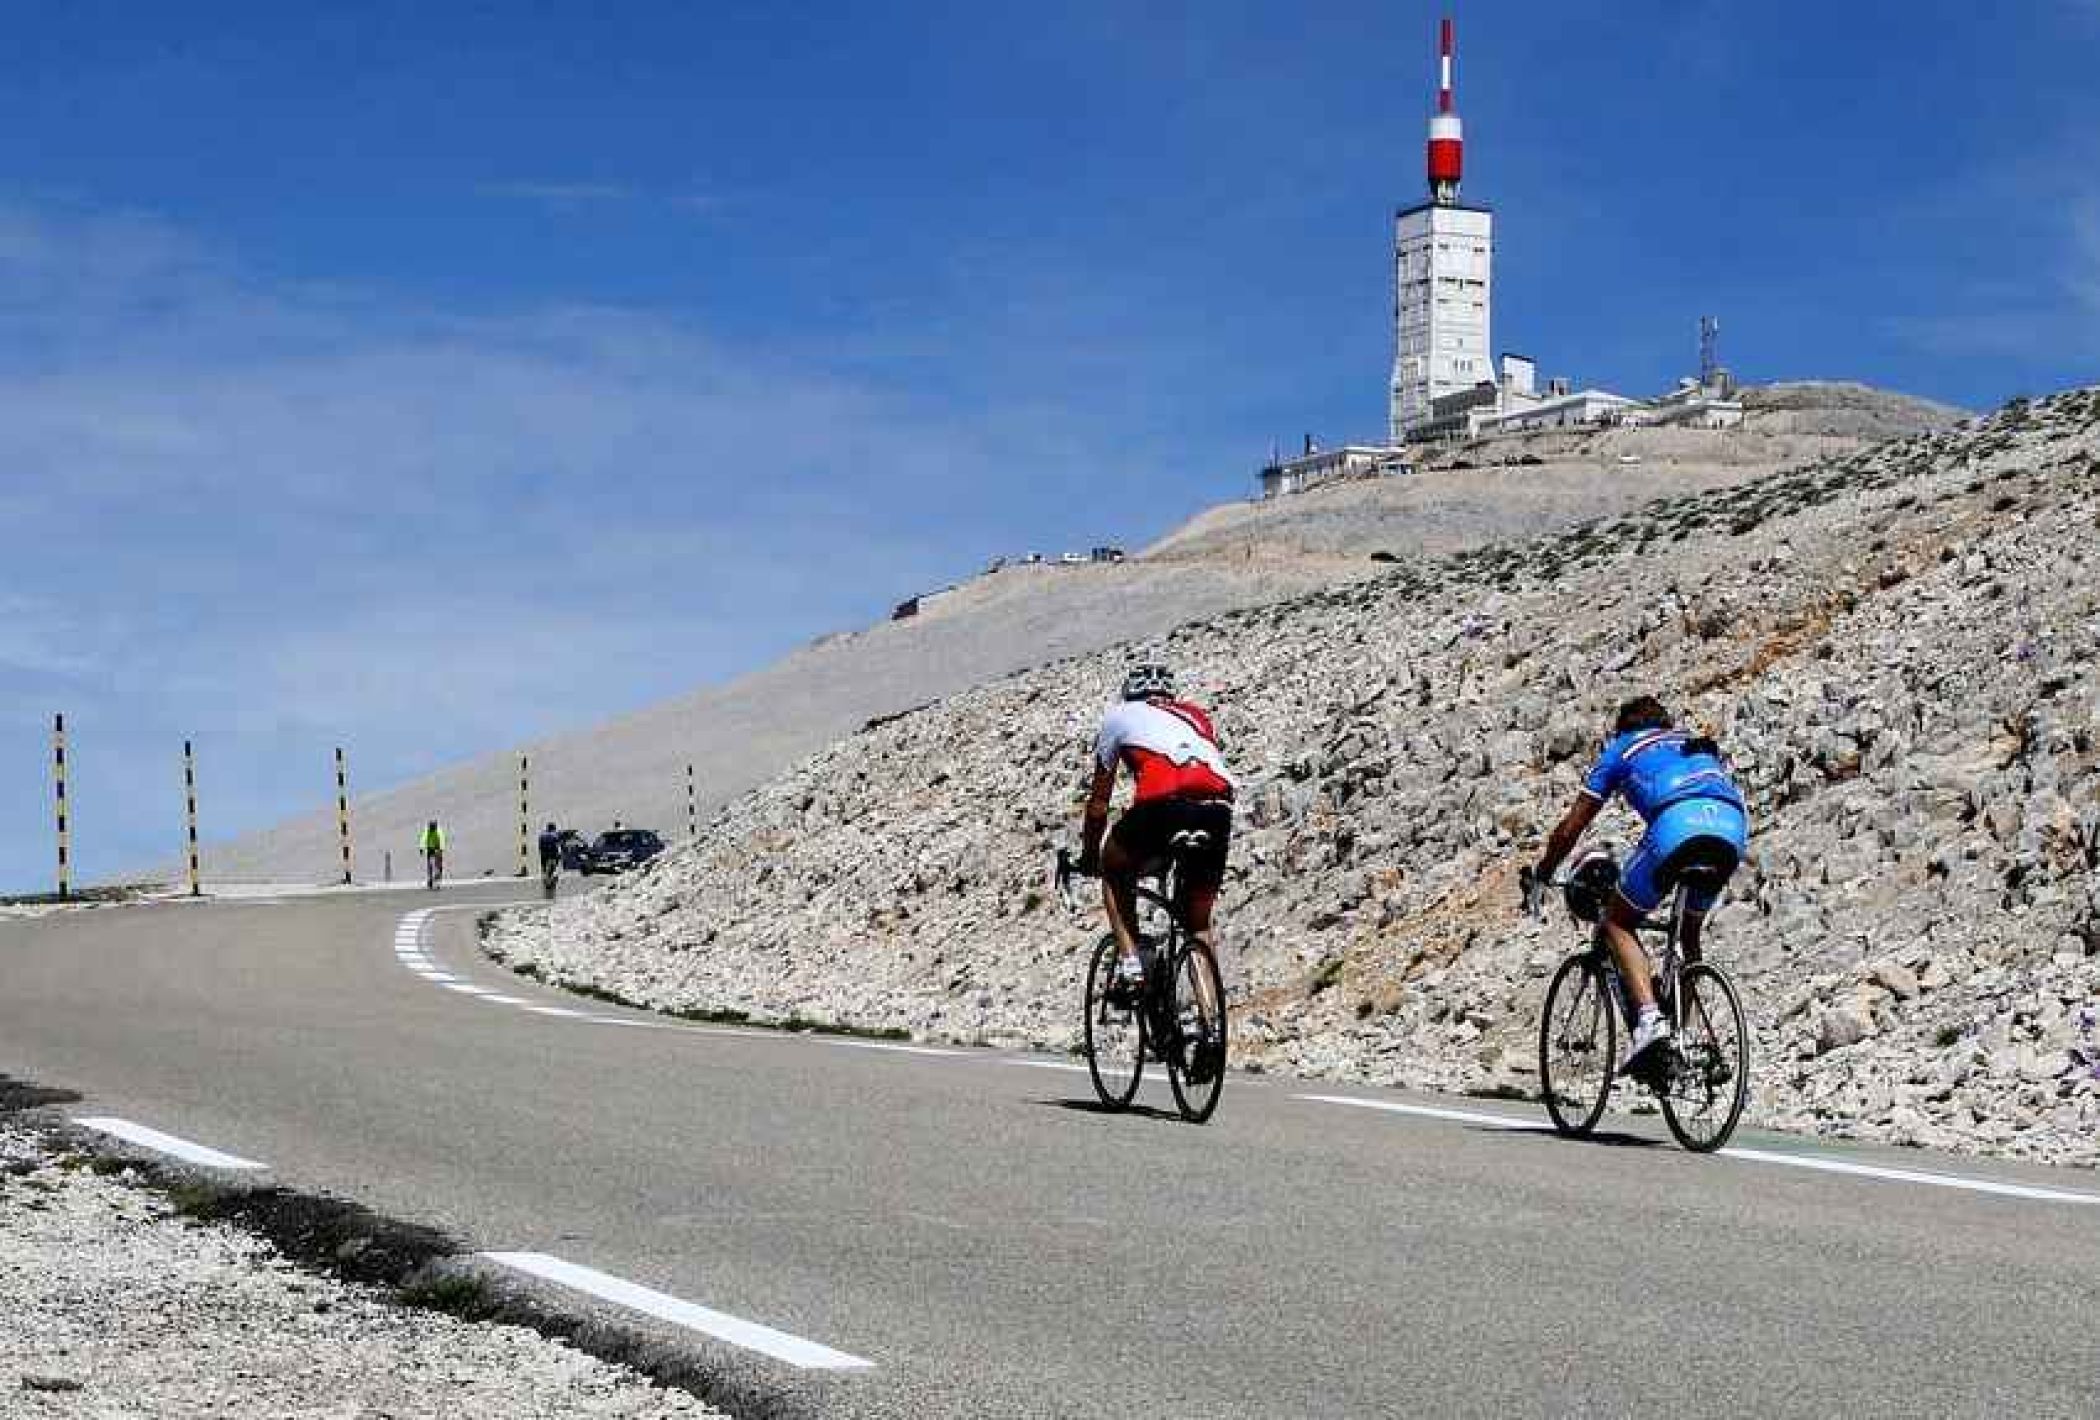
1657	768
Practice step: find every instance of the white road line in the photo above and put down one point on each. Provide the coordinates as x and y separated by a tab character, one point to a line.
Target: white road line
1811	1162
807	1355
168	1144
495	1000
441	977
557	1011
466	988
1458	1116
1934	1180
882	1045
1048	1065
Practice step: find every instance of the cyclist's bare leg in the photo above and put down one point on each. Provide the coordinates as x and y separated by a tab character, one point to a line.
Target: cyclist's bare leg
1119	877
1198	902
1619	922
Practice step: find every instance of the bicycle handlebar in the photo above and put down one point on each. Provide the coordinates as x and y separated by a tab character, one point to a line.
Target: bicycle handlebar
1067	869
1535	889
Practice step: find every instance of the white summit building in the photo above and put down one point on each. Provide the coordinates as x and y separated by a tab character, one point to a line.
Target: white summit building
1443	280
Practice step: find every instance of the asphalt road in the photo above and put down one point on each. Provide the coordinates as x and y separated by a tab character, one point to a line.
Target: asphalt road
969	1224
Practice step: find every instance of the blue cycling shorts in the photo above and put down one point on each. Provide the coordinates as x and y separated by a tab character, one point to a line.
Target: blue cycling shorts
1709	832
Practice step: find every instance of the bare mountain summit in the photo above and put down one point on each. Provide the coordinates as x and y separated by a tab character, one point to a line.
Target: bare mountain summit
1894	646
1239	555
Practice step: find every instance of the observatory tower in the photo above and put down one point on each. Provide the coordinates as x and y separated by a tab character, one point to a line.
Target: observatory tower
1443	277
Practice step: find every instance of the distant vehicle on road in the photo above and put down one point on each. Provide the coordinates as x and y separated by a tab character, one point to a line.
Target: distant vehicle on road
621	849
575	847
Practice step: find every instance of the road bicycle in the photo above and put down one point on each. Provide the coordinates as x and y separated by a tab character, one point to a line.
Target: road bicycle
1702	1081
550	872
1177	1015
433	867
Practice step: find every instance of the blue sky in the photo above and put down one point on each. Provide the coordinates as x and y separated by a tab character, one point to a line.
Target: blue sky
428	378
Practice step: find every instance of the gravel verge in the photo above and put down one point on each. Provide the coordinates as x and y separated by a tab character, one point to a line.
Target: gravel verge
124	1297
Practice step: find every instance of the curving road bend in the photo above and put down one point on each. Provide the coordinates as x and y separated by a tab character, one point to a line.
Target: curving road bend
858	1231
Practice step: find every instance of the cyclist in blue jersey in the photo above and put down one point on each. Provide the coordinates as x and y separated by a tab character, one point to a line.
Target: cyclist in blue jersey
1682	791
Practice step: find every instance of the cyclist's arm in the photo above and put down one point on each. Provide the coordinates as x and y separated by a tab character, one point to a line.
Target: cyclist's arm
1097	797
1568	832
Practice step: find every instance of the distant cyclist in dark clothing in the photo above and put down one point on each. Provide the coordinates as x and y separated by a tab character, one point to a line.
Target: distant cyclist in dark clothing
1682	791
550	849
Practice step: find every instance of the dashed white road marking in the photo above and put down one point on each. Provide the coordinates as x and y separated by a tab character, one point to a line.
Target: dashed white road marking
886	1045
167	1144
1048	1065
558	1011
1895	1175
780	1345
1457	1116
1812	1162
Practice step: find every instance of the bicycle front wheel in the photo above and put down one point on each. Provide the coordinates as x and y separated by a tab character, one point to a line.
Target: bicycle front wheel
1577	1041
1113	1032
1196	1058
1709	1081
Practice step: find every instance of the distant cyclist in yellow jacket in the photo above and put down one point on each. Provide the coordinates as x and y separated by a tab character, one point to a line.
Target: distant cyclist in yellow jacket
433	854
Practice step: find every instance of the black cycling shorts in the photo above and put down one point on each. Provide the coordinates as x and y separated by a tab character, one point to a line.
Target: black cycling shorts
1147	836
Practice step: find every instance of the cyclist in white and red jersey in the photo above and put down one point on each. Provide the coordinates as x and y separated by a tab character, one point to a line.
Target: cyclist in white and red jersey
1172	753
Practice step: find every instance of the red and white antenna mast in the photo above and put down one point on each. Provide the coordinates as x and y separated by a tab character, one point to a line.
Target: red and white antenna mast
1447	136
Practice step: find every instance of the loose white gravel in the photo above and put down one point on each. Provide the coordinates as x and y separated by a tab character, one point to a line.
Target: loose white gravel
114	1305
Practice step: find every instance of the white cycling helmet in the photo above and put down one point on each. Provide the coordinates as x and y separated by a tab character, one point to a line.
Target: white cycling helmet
1147	679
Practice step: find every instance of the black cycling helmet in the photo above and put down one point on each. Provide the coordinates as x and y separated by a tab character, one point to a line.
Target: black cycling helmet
1147	679
1590	885
1643	712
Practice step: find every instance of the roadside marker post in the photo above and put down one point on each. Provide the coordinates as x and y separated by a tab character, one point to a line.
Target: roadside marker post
692	806
342	809
524	807
58	773
189	793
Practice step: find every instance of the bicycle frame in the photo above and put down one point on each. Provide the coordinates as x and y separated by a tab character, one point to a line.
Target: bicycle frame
1160	890
1665	969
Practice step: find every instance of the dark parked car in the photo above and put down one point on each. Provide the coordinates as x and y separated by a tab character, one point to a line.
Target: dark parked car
621	849
575	850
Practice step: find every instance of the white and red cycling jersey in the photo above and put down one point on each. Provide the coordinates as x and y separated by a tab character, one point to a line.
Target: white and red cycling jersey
1170	747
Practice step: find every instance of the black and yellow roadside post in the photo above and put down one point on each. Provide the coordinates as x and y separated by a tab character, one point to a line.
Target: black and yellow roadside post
342	808
58	772
692	806
189	793
524	808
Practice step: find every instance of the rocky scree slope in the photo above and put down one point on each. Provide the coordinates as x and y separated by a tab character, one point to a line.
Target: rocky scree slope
1895	647
1240	555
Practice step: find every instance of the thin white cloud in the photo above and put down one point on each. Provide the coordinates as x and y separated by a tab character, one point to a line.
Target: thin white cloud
290	516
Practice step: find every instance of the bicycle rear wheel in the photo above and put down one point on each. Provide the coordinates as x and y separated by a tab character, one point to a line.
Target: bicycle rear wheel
1113	1033
1709	1081
1196	1057
1578	1038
